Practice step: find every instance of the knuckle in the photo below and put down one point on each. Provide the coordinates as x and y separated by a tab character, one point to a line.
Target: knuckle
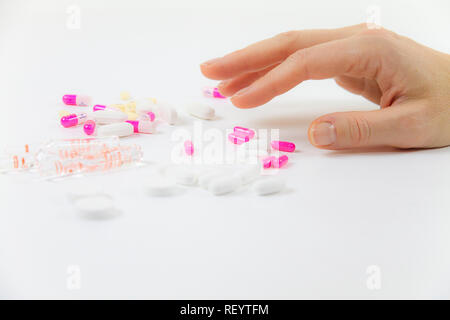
359	130
299	59
417	128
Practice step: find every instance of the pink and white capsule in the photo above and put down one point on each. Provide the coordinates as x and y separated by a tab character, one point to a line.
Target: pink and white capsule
89	127
73	119
283	146
280	162
212	92
237	139
76	100
244	132
149	116
267	162
189	147
142	126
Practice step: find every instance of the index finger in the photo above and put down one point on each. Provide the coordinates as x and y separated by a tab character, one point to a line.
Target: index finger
271	51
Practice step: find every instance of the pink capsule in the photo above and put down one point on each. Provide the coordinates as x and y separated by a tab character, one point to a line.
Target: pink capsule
189	147
280	162
76	100
73	119
237	139
212	92
267	162
151	116
244	132
142	126
283	146
89	127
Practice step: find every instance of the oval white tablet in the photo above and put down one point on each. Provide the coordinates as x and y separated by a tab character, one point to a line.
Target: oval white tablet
121	129
200	110
269	185
224	185
106	117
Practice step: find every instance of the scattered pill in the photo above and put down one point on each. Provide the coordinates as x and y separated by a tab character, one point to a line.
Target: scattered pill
106	117
76	100
224	185
267	162
283	146
150	116
73	119
189	147
125	95
237	139
96	206
212	92
280	162
89	127
269	185
244	132
130	107
167	113
99	107
145	105
248	174
205	179
143	126
132	115
120	129
63	113
185	176
200	110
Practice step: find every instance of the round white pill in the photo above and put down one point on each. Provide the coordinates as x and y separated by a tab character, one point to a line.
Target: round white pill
224	185
96	206
200	110
121	129
269	185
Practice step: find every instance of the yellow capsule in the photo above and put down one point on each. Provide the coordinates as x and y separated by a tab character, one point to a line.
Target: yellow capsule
125	95
130	107
63	113
132	115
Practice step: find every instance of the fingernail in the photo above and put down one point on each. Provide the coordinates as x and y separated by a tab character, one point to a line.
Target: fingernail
223	84
323	134
209	62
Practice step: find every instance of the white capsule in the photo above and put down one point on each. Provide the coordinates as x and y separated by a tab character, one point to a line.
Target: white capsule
120	129
106	117
159	186
200	110
185	176
248	174
167	113
224	185
205	179
145	126
269	185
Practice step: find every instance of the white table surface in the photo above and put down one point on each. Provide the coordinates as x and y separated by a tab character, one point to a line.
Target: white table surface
340	213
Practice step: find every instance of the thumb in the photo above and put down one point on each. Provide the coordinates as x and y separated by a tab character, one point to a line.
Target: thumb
386	127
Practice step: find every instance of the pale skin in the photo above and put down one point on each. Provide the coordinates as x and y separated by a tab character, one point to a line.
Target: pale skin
410	83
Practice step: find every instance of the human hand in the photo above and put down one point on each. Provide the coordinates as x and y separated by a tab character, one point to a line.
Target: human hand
410	82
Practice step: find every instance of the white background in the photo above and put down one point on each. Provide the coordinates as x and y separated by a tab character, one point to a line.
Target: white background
341	212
